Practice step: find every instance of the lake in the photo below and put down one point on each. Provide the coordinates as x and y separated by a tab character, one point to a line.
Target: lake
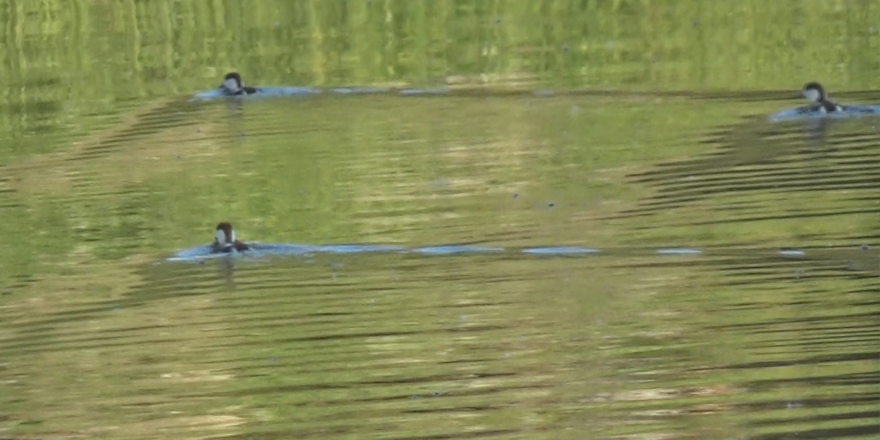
498	219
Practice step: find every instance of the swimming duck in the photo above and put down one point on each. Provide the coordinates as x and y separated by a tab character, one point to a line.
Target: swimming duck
819	99
224	240
232	85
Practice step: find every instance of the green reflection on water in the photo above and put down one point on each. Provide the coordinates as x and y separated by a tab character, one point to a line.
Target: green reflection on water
106	170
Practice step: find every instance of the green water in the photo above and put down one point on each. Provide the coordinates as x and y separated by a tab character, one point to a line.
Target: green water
655	135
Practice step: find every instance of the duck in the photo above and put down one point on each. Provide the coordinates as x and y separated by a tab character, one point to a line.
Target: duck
224	240
232	85
819	101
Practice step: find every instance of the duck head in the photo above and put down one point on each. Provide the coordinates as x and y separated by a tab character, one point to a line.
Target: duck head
814	92
232	83
224	237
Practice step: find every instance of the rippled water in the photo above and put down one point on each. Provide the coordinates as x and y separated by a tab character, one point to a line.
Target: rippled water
595	231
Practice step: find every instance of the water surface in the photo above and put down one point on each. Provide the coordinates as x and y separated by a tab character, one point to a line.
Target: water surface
595	231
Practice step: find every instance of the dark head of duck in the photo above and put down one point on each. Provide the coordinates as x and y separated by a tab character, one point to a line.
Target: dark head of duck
818	98
233	85
224	239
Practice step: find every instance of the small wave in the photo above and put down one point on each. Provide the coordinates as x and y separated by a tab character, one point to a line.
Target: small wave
261	250
804	113
270	92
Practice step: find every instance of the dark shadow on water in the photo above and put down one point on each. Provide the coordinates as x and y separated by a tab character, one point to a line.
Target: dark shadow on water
770	160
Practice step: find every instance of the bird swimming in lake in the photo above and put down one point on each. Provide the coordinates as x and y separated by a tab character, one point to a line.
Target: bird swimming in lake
819	101
232	85
224	240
